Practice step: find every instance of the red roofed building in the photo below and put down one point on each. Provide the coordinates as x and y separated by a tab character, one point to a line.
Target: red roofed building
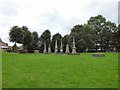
3	45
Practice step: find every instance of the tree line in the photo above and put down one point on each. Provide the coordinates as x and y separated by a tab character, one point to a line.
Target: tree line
97	34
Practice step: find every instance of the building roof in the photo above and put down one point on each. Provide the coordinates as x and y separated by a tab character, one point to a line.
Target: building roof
3	43
4	47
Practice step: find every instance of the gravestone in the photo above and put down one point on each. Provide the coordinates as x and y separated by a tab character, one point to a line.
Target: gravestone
114	49
73	48
61	47
56	47
45	50
98	55
86	50
67	49
36	51
49	49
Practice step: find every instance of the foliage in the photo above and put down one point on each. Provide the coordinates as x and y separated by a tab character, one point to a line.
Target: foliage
35	40
16	34
97	34
84	36
67	39
117	36
45	38
104	33
28	38
55	37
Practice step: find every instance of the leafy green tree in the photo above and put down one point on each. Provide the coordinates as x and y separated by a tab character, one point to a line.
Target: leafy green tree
55	37
98	22
108	36
76	33
22	36
105	31
88	34
16	35
96	34
45	38
118	38
35	40
67	39
27	38
75	30
84	37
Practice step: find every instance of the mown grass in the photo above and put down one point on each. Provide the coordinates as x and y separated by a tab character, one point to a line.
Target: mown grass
0	69
59	71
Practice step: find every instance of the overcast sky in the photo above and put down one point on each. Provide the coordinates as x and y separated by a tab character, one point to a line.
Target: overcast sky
55	15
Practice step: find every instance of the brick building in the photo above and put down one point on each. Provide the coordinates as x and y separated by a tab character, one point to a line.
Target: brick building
3	45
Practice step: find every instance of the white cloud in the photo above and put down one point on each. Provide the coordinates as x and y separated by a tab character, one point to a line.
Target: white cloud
55	15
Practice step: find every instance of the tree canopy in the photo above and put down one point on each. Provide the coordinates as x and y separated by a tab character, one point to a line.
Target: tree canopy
45	38
96	34
55	37
16	34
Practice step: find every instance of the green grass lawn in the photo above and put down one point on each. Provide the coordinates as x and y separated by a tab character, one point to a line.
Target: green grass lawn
59	71
0	69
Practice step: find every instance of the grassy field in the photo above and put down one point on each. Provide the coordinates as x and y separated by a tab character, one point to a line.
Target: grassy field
59	71
0	69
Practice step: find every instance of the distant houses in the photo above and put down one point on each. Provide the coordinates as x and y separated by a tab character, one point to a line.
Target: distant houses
3	45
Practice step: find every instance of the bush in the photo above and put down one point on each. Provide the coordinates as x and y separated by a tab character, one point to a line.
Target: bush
30	51
23	51
9	50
